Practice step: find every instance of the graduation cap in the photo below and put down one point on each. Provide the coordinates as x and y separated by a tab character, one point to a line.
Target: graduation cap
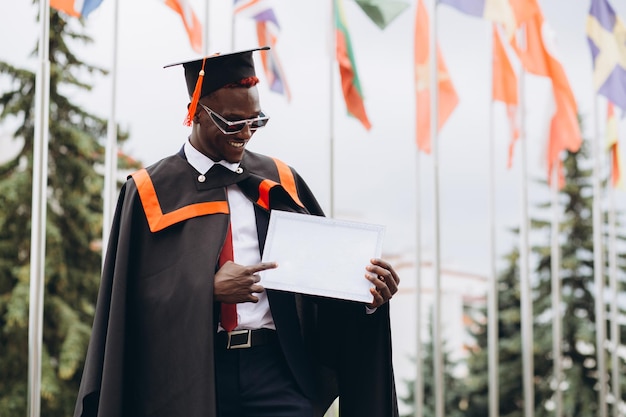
208	74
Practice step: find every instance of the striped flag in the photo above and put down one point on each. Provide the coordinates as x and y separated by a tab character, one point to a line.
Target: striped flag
267	28
497	11
76	8
190	21
613	147
350	84
504	87
606	34
448	98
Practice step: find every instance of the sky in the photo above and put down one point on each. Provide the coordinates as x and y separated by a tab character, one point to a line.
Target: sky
379	177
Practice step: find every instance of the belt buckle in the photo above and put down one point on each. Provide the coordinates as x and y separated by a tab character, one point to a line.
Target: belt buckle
236	344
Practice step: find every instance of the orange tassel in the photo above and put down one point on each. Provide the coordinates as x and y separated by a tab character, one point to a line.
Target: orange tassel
195	97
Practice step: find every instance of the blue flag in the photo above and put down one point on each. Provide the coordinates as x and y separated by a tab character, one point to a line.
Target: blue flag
76	8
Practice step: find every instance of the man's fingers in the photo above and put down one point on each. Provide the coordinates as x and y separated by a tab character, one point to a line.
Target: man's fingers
253	269
381	287
385	273
256	288
378	299
392	284
387	267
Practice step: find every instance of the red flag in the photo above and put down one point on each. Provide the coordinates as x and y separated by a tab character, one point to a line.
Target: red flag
537	59
448	98
350	84
504	87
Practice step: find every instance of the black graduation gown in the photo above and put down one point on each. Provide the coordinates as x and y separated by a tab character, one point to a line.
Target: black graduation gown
151	348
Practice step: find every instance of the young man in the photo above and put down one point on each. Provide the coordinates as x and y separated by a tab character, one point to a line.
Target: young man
182	327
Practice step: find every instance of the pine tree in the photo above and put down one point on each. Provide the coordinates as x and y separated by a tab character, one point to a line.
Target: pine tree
453	395
510	375
580	398
73	258
579	323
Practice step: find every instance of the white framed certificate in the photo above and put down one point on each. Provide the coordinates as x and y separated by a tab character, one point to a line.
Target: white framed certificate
320	256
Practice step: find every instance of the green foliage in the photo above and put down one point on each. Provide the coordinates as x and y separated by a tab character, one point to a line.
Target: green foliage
577	315
577	294
510	350
453	401
73	230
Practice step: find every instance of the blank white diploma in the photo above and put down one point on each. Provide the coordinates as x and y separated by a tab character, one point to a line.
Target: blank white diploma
320	256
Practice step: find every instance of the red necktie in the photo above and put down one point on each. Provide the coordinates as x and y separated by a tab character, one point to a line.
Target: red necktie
228	311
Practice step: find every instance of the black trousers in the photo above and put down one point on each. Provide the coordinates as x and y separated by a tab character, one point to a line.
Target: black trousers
257	382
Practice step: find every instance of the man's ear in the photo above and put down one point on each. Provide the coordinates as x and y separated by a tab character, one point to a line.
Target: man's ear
196	119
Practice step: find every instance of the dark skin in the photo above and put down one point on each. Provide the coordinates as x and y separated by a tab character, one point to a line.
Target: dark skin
236	283
232	104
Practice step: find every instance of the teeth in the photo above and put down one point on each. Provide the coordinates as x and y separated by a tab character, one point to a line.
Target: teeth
237	144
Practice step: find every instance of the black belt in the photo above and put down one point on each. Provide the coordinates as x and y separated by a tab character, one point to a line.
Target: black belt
241	339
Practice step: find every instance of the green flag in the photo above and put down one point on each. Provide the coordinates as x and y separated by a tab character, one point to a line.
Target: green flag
382	12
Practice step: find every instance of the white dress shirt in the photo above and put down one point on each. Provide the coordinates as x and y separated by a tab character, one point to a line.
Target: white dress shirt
245	240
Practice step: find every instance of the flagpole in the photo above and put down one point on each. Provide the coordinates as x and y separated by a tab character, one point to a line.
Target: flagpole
206	28
332	51
38	215
110	154
418	386
615	334
232	30
557	333
434	132
598	268
613	265
492	295
526	318
525	295
492	308
331	108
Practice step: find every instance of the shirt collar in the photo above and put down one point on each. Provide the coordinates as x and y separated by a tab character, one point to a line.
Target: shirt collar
203	163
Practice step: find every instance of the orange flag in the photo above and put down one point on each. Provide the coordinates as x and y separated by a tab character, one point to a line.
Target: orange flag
524	10
66	6
504	87
613	146
448	98
536	59
190	21
74	7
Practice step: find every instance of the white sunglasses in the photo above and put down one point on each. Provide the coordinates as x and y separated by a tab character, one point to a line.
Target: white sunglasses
230	128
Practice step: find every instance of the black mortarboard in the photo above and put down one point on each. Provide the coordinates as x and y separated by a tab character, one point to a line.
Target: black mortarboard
208	74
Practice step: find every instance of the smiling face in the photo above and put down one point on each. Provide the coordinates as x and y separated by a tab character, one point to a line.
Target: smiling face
237	103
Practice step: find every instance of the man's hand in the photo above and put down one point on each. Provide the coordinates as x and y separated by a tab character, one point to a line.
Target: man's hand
236	283
385	280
